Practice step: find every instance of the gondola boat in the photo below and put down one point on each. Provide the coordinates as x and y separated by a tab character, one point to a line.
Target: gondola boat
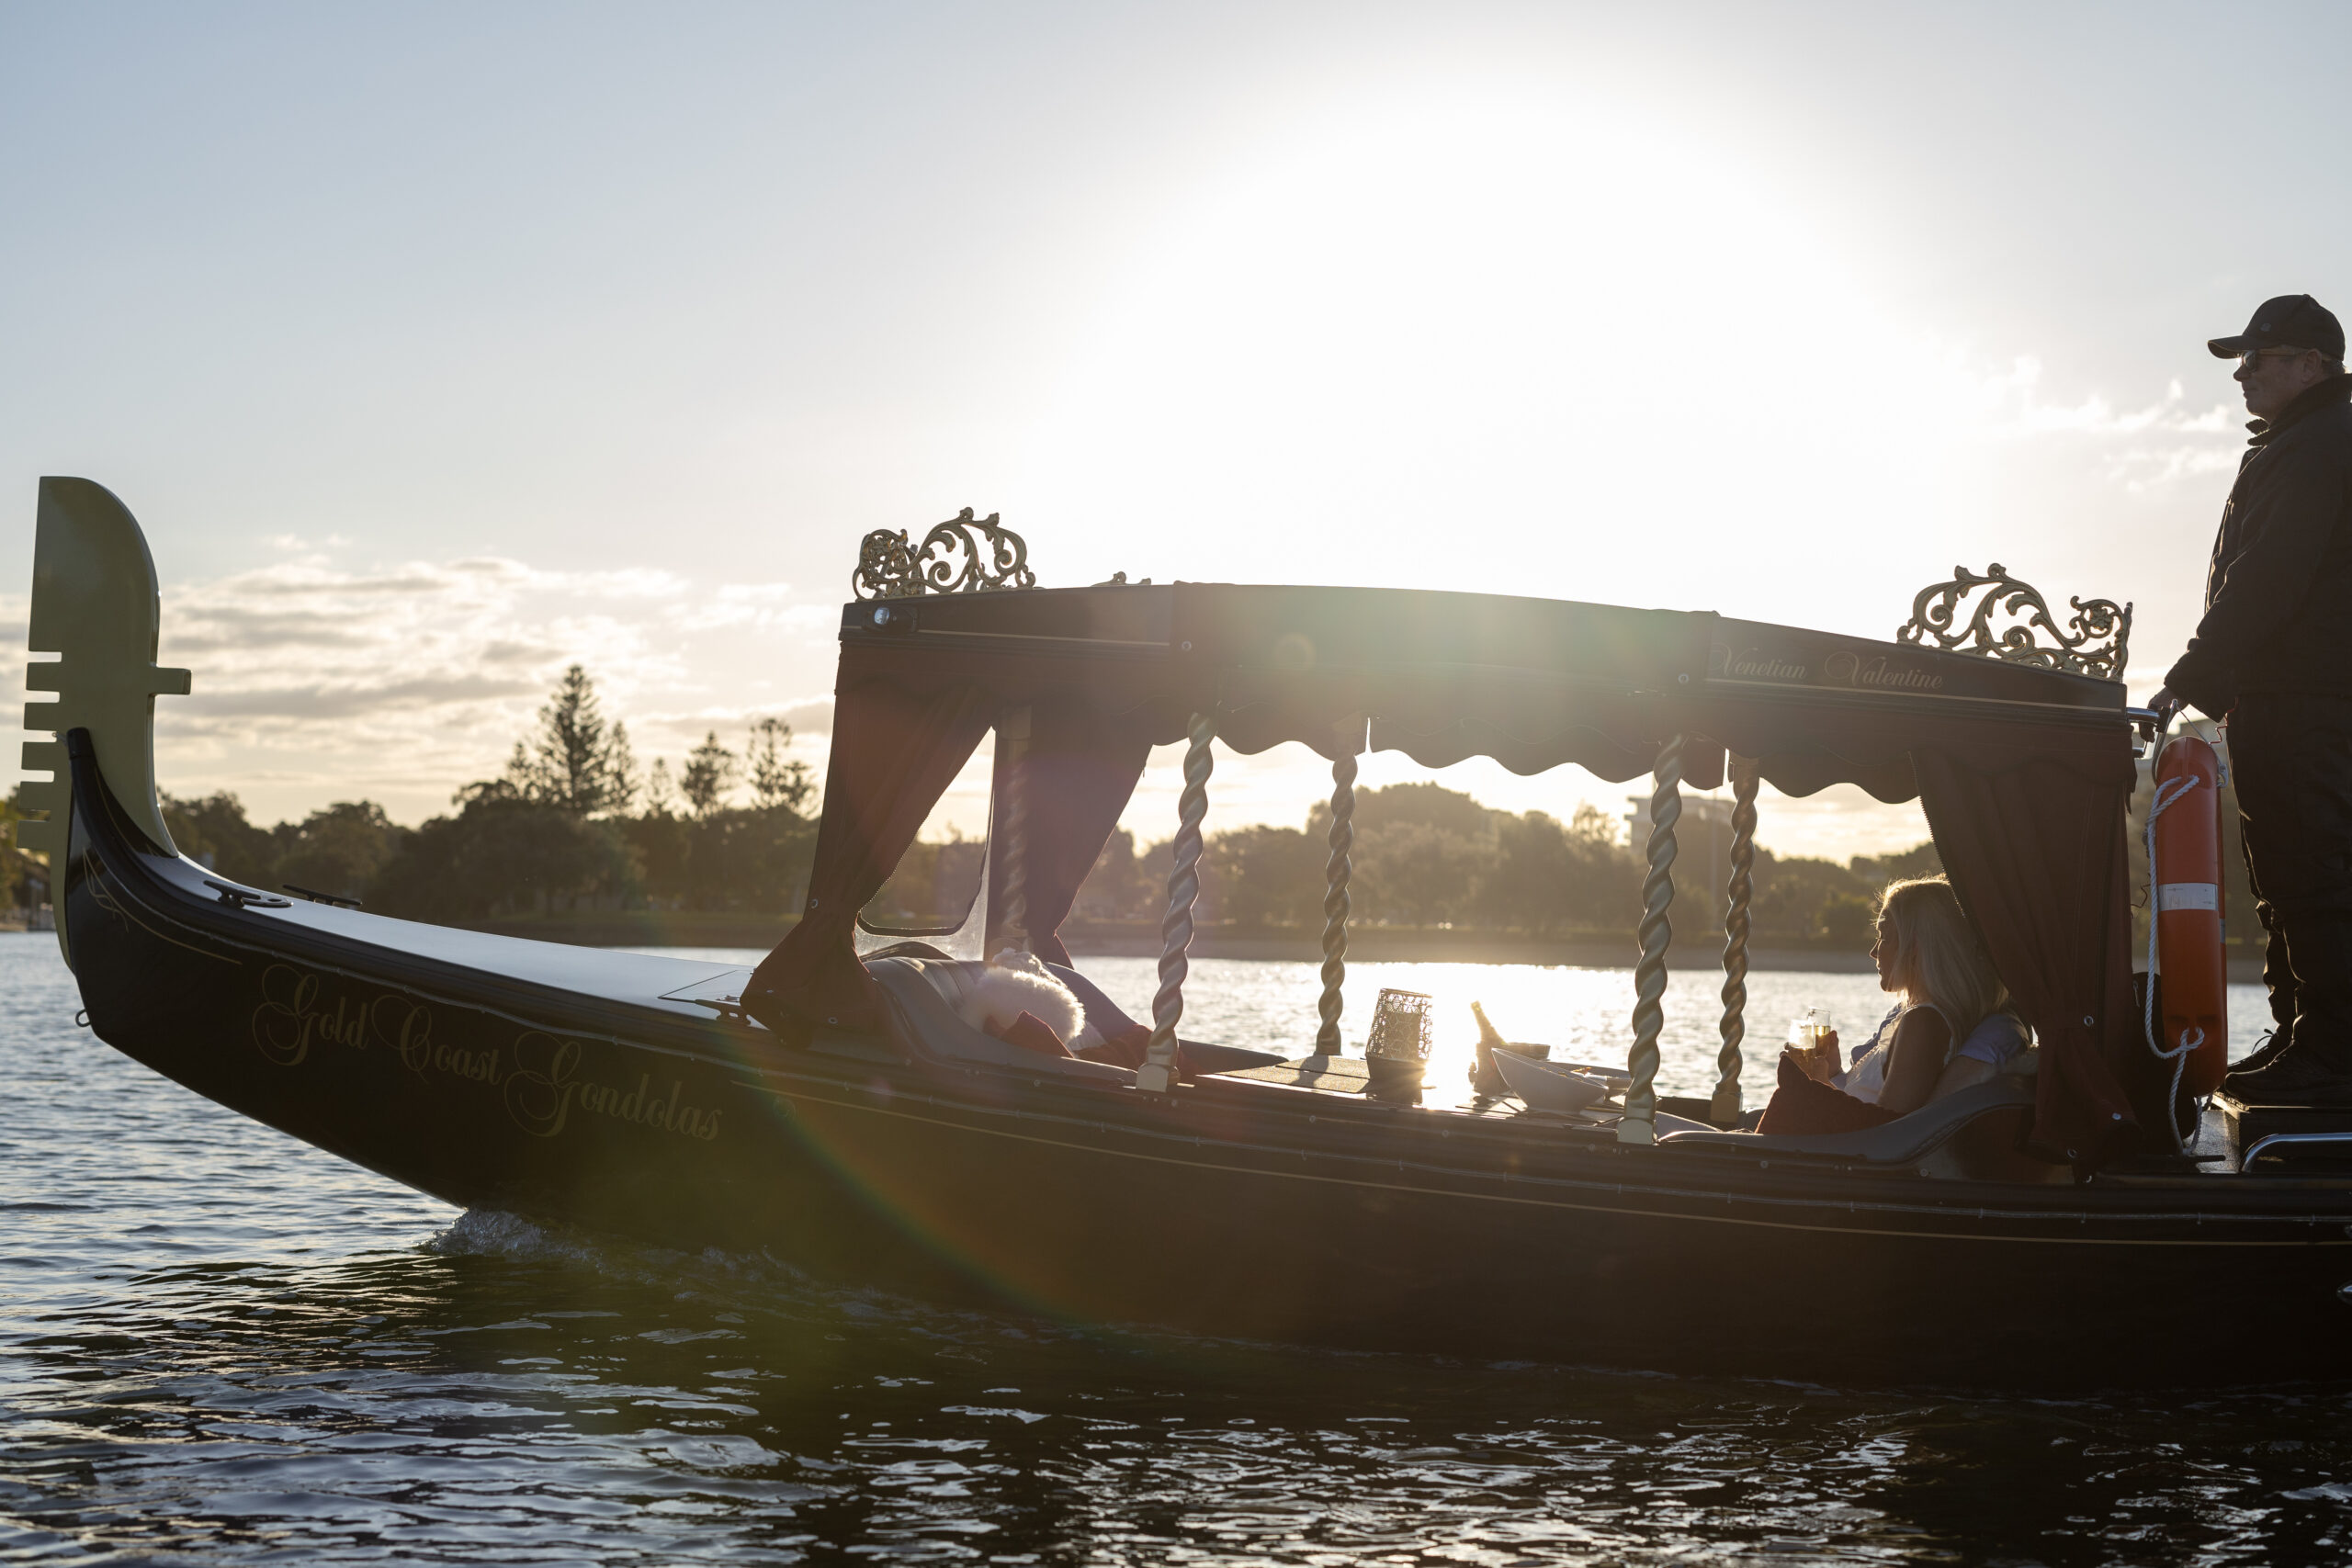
832	1107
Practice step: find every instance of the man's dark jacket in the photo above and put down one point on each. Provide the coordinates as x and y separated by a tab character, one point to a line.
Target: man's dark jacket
2279	594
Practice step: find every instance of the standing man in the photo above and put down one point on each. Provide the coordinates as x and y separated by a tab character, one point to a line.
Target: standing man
2273	656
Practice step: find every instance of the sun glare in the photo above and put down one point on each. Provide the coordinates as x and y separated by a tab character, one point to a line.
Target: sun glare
1439	346
1534	347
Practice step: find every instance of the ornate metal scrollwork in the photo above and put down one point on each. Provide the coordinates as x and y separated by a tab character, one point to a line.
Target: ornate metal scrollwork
2078	650
963	555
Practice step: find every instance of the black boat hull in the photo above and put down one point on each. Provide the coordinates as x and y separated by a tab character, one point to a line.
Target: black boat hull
442	1061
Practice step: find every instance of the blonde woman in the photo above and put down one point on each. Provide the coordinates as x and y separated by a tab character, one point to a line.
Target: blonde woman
1954	1026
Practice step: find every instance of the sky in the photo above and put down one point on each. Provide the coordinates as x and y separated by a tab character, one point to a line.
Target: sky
437	347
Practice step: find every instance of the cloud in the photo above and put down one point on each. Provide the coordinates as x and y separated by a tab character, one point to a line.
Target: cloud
317	679
311	703
760	605
412	676
2151	445
658	730
635	582
808	715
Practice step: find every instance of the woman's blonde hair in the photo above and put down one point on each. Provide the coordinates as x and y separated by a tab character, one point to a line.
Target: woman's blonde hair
1938	957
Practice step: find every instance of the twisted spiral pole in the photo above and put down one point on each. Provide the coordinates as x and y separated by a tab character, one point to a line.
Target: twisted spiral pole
1158	1073
1746	774
1336	903
1014	906
1639	1124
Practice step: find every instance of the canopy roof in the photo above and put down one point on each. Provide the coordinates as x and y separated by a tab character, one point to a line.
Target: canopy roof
2025	771
1530	682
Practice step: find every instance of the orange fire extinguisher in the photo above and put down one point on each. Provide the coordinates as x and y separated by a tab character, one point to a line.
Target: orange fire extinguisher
2185	833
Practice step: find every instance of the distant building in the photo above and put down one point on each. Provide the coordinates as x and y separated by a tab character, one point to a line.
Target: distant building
25	878
1701	855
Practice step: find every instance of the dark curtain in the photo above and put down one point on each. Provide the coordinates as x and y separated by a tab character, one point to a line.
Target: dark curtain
2036	853
894	755
1080	771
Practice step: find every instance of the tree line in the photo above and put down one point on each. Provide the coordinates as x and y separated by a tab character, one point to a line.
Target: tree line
569	825
1426	856
572	824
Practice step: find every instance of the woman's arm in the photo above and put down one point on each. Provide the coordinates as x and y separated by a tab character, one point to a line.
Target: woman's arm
1964	1072
1916	1060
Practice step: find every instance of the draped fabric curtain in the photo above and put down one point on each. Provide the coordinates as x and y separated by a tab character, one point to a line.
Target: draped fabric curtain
2024	778
894	755
2036	853
1081	769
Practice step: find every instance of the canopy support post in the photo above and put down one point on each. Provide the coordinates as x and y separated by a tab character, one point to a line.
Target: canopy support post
1157	1074
1639	1124
1746	774
1336	903
1012	906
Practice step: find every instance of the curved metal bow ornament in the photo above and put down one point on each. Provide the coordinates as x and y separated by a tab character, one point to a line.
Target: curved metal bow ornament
2076	649
963	555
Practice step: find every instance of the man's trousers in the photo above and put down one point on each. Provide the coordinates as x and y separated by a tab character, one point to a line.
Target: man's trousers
2290	759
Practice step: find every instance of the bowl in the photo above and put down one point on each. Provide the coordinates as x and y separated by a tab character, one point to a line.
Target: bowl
1484	1076
1546	1085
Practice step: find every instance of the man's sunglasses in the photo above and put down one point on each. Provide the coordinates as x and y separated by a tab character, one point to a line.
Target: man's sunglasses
2253	360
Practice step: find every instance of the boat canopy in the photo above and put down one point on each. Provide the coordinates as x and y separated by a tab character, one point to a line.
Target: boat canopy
2024	772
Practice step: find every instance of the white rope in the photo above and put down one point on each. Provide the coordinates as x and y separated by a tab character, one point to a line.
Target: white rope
2192	1036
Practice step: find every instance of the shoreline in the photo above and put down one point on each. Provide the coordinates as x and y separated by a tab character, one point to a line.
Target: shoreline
1389	946
1374	945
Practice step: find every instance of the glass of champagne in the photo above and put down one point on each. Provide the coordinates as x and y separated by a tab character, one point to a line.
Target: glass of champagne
1808	1036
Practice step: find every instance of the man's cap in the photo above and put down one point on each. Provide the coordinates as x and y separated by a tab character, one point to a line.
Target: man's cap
2291	321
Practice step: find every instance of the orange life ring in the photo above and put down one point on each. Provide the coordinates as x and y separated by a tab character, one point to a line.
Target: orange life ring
2187	904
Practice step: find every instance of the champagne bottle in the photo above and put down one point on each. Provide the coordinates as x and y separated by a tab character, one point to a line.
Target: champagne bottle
1484	1076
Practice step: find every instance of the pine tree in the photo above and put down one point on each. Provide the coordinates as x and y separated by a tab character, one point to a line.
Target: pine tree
620	773
577	762
659	789
708	775
776	781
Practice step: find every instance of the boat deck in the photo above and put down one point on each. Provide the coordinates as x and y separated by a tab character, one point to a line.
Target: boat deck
2217	1148
1349	1075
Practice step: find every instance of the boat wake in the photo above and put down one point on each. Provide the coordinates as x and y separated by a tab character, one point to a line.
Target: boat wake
494	1233
751	1282
760	1287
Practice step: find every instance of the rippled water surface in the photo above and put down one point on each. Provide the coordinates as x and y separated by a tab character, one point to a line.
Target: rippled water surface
219	1345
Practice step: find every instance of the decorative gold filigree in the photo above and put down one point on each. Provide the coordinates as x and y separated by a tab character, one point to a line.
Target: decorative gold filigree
963	555
2078	650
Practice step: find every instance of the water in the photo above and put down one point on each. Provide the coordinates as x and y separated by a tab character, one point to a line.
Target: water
217	1345
1583	1014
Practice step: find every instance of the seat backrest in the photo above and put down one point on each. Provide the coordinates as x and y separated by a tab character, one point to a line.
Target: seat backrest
1904	1141
951	978
918	991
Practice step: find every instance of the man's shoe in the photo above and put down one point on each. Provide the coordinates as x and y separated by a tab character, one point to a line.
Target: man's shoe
2315	1070
2316	1074
2266	1050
